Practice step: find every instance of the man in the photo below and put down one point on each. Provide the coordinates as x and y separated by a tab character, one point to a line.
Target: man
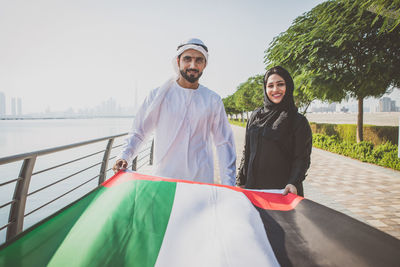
185	117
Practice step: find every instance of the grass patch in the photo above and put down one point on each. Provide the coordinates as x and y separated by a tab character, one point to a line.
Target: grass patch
238	122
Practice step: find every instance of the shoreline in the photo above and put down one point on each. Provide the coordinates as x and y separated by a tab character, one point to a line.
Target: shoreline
68	118
378	118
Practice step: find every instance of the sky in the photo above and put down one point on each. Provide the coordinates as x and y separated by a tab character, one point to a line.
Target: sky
60	54
57	54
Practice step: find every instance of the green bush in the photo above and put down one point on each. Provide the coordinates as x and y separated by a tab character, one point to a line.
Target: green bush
390	160
384	155
362	151
387	155
382	150
347	132
323	128
381	134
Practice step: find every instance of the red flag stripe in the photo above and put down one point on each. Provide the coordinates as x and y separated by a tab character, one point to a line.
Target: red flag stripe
264	200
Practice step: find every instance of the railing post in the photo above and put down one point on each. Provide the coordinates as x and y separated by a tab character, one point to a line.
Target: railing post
134	164
151	153
17	210
104	164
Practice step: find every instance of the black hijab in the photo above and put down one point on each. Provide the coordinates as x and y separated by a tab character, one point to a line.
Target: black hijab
276	119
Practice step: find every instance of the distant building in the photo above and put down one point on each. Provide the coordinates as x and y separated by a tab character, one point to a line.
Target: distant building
19	106
393	105
13	107
330	108
387	105
2	104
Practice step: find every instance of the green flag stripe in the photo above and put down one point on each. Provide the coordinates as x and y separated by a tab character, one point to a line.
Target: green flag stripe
123	227
119	226
36	247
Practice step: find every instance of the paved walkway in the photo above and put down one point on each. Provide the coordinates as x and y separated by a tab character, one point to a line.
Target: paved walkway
366	192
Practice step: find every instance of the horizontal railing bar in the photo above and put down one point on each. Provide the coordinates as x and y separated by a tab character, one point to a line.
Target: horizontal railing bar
73	189
145	156
147	148
142	166
65	163
5	226
117	146
11	181
58	181
6	204
54	149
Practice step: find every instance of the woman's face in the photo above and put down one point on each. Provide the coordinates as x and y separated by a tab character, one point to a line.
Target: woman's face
276	88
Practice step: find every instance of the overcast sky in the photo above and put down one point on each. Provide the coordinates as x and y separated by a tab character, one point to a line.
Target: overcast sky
78	53
58	54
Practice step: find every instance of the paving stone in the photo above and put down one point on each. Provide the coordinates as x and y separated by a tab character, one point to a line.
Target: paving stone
378	216
376	223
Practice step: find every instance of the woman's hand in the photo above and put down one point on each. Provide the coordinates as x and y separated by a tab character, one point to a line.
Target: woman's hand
120	164
289	188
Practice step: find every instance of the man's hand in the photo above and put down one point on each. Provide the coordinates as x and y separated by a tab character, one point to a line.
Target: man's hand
289	188
120	164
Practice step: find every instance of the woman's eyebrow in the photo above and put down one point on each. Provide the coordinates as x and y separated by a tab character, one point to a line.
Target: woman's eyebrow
276	81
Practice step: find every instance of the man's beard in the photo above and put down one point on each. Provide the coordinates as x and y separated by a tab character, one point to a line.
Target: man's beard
190	78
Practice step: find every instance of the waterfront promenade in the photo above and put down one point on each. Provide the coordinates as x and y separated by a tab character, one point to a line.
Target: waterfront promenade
366	192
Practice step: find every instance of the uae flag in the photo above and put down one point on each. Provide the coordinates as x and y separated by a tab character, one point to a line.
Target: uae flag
139	220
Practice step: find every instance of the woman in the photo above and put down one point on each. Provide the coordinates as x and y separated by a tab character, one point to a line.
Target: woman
278	140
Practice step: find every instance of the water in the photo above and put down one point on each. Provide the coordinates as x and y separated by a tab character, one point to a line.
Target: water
22	136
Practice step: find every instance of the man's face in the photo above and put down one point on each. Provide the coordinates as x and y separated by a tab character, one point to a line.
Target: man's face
191	65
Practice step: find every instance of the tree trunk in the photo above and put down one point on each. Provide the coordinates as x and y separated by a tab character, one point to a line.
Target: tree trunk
360	119
305	110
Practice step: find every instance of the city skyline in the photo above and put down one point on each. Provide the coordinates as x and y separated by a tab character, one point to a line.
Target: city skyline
108	107
111	107
370	104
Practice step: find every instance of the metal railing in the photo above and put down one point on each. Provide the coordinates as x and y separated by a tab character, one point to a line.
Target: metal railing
17	204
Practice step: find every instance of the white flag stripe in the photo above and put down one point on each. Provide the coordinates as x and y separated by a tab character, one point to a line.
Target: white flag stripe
214	226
